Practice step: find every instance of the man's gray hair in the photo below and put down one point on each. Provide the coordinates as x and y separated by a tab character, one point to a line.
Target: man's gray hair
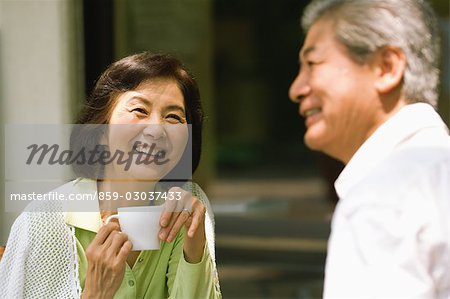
364	26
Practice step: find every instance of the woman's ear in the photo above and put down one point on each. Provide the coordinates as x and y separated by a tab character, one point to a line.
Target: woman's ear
103	140
102	137
390	66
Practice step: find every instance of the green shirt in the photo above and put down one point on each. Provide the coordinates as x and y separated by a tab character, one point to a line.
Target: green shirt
156	274
160	273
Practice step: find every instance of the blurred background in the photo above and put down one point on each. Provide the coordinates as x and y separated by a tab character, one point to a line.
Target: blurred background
273	198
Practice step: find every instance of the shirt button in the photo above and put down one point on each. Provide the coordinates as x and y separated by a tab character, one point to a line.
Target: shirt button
131	283
140	260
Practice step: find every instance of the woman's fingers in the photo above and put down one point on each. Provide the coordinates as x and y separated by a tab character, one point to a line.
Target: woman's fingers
172	211
104	232
194	243
106	262
192	220
164	232
166	215
117	241
124	251
188	210
180	221
172	206
198	218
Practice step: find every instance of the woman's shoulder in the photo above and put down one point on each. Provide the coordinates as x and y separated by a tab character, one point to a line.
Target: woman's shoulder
45	215
195	189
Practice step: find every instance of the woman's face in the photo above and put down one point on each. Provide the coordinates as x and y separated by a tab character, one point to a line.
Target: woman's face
149	125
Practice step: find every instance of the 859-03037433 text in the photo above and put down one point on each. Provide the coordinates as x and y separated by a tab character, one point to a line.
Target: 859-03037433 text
56	196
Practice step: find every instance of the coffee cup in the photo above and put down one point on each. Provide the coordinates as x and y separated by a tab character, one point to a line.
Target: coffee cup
141	224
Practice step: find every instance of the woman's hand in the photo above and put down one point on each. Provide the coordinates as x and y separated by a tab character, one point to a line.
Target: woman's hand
190	212
106	256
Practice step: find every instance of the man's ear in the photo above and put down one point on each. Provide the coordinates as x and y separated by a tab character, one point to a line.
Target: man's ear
390	66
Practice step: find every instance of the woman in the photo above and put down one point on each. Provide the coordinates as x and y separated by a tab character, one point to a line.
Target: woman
140	107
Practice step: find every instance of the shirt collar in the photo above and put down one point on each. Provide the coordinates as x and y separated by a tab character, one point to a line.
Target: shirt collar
90	221
405	123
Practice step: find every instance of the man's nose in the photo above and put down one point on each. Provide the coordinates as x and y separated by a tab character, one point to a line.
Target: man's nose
299	89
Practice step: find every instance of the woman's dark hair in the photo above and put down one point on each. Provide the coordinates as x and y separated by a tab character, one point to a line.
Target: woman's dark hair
125	75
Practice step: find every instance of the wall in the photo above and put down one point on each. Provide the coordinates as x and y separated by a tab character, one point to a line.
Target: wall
39	68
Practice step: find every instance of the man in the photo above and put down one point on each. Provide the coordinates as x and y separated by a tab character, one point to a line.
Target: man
367	87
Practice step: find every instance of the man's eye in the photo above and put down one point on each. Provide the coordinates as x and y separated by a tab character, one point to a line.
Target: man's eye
308	64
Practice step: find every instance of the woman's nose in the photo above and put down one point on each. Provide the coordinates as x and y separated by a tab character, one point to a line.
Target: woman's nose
155	129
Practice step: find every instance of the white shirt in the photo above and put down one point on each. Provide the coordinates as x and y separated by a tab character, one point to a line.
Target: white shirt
390	233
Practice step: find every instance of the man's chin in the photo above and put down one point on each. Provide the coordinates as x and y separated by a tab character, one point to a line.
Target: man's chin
313	143
319	145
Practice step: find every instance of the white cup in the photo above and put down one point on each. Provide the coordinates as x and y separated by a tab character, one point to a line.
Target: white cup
141	224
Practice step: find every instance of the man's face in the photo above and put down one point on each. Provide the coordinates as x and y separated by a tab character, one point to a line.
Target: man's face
335	94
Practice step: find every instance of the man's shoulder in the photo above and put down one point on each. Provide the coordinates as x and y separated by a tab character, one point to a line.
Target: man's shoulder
410	182
412	162
404	169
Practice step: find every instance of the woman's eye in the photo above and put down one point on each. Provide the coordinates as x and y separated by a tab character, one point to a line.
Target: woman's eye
139	111
175	117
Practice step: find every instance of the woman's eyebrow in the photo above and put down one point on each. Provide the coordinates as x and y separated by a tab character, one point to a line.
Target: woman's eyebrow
142	99
148	103
174	107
